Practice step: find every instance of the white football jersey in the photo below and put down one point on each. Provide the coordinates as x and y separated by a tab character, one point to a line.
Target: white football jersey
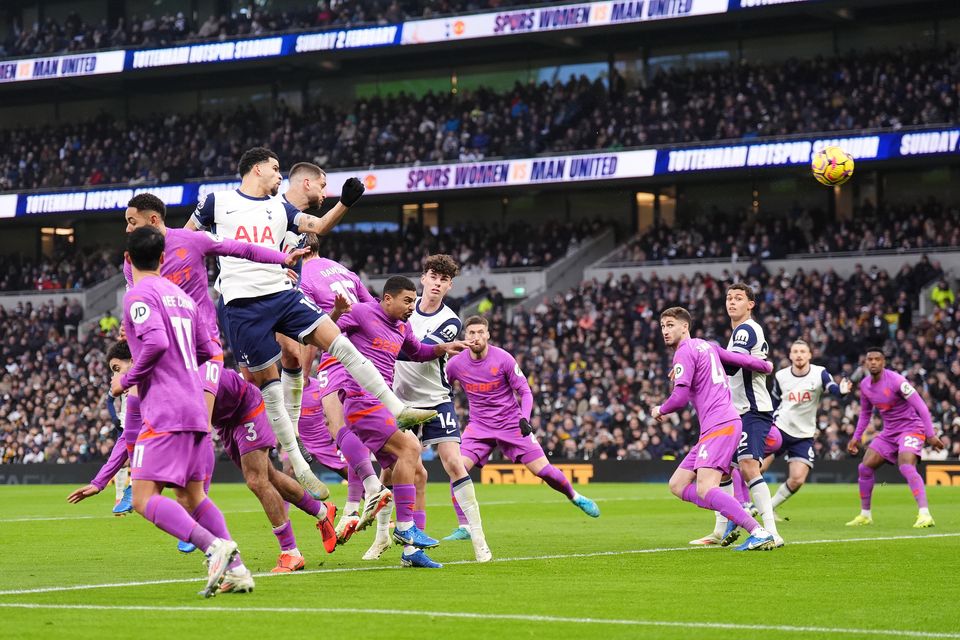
799	399
263	221
749	389
424	384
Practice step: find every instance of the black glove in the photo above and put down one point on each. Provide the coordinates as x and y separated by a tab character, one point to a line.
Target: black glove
525	427
351	192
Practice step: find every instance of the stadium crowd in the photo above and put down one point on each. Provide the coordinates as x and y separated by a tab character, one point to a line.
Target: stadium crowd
594	357
75	34
73	270
738	100
597	363
900	227
52	386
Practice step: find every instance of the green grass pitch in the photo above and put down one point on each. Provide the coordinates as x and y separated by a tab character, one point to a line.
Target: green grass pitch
74	571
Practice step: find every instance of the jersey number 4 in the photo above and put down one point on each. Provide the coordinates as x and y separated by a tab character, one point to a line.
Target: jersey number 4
717	374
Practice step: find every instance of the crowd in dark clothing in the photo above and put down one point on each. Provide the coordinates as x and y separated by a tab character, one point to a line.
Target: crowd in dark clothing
737	100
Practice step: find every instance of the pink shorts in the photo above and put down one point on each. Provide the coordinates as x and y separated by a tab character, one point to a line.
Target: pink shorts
479	442
888	446
372	423
773	441
174	458
250	433
331	375
715	449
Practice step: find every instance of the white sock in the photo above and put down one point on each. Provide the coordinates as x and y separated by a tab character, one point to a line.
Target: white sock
383	521
282	428
294	552
760	493
866	513
120	481
924	511
292	382
467	499
409	550
720	526
371	485
351	507
365	373
402	526
783	494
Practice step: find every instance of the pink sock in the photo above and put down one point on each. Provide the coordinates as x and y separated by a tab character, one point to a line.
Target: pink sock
865	477
420	519
210	518
728	506
461	518
404	496
915	482
357	455
740	491
309	505
689	494
354	485
169	516
285	536
557	481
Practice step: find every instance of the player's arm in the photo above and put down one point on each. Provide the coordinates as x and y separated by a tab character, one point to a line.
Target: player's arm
417	351
743	360
866	412
682	374
349	195
744	340
831	387
518	382
908	393
153	341
134	422
214	245
202	218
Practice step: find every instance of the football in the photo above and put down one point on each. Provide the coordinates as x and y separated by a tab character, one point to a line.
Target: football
832	166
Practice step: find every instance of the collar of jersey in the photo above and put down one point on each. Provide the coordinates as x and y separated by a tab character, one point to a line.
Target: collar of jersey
425	314
243	195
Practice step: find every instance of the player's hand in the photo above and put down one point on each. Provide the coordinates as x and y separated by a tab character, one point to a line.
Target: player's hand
294	256
845	386
656	415
341	304
351	192
935	442
292	275
82	493
525	427
115	389
853	447
453	348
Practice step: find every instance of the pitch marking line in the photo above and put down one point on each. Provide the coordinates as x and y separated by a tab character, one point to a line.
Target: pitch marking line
564	556
830	631
491	503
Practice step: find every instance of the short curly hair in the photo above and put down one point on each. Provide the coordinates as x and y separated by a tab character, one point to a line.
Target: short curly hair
442	264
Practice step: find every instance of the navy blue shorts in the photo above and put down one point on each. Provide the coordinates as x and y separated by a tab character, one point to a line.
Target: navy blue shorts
252	322
799	449
443	428
756	426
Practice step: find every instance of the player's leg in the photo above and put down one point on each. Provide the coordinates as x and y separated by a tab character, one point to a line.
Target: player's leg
357	455
327	336
798	470
123	492
873	459
292	493
351	509
909	447
555	479
464	499
750	452
291	378
253	339
405	447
